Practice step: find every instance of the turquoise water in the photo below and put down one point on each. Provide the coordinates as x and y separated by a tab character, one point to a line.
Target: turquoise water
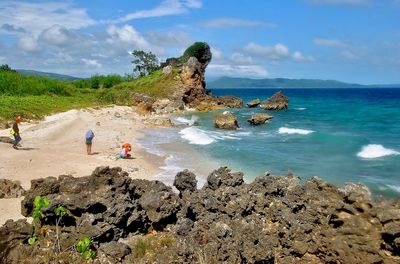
340	135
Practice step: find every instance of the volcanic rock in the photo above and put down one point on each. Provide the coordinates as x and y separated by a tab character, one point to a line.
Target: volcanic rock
253	103
278	101
259	119
10	189
226	120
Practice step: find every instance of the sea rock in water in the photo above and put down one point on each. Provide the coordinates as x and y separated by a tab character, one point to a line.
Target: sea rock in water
253	103
10	189
259	119
226	120
230	101
278	101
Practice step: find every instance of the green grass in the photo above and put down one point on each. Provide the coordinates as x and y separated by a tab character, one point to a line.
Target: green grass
36	107
155	85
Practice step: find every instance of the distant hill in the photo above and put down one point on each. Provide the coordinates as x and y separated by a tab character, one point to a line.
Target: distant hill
230	82
50	75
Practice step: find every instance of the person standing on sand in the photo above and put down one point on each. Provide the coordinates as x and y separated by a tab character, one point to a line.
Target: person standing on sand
89	135
15	132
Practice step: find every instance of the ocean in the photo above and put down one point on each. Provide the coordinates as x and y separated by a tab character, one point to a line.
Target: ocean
339	135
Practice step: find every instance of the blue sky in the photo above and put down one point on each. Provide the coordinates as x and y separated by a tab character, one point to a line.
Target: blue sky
347	40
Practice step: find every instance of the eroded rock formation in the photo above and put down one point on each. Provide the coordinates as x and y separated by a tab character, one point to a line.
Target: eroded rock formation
273	219
226	120
259	119
278	101
253	103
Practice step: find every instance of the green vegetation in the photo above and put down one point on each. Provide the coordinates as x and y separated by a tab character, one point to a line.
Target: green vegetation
198	50
145	62
83	247
155	85
100	81
153	248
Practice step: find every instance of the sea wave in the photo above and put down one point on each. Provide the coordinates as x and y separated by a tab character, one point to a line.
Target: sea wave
286	130
394	187
300	108
196	136
185	121
373	151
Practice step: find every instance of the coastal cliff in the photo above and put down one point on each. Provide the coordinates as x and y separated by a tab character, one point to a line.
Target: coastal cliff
273	219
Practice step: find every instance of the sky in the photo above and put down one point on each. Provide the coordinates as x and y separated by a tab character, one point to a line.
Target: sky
354	41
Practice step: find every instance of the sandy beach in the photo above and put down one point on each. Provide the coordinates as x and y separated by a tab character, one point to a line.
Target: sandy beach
56	146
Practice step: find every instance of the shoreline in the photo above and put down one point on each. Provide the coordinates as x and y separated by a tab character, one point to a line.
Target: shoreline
55	146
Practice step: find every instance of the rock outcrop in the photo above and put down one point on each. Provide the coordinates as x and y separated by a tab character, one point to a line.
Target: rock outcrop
253	103
226	120
259	119
10	189
273	219
278	101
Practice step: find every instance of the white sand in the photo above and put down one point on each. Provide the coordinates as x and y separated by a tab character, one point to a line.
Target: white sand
56	146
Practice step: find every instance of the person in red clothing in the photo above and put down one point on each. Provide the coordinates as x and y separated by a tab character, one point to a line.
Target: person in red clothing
15	132
124	154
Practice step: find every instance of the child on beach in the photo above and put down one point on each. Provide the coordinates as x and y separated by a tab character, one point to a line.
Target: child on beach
89	135
124	154
15	132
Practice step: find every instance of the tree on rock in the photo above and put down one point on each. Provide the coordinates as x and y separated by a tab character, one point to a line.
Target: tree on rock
145	62
200	50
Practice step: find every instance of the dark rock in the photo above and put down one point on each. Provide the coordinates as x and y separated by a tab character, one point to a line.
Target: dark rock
226	120
185	181
10	189
253	103
259	119
224	177
278	101
115	250
183	226
12	234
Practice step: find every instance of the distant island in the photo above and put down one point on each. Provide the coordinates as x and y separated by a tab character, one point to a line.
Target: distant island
231	82
50	75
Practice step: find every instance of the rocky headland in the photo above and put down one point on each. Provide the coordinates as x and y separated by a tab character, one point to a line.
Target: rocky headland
273	219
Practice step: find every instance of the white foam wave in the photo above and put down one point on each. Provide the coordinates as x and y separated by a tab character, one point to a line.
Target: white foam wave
373	151
196	136
286	130
300	108
189	122
394	187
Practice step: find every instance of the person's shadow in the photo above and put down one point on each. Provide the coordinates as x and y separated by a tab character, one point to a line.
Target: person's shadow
95	153
28	148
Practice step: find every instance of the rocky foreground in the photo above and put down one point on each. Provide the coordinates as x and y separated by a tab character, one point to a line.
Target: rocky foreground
271	220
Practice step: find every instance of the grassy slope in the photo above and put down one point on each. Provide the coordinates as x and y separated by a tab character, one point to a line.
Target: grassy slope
42	102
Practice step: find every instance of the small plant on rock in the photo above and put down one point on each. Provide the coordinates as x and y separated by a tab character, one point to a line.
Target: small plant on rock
83	247
60	211
38	204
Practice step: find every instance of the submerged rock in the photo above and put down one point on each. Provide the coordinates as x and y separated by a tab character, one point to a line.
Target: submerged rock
226	120
253	103
278	101
259	119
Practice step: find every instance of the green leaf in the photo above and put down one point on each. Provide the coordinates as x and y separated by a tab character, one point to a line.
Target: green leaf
61	210
32	240
83	244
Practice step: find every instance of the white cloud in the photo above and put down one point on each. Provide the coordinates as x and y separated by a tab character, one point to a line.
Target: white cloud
58	36
241	58
169	39
254	71
349	55
28	43
36	17
332	43
127	36
340	2
235	22
276	52
91	63
216	53
166	8
298	56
